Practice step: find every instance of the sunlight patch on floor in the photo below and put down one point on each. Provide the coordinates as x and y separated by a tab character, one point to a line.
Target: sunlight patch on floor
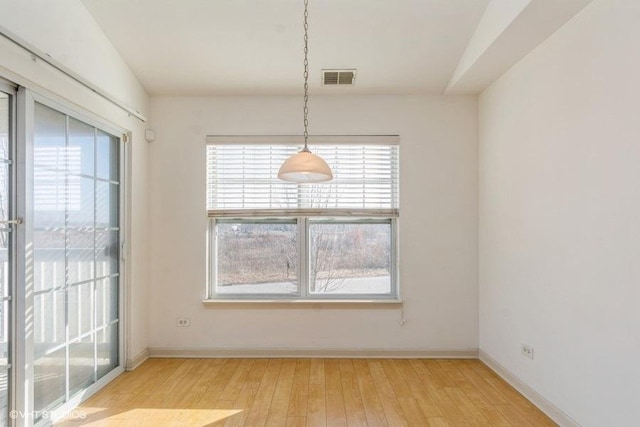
150	417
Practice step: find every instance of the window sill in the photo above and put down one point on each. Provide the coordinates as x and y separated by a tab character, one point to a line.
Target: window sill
302	302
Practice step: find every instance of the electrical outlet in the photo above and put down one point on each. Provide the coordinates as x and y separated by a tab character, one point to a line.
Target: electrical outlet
527	351
183	322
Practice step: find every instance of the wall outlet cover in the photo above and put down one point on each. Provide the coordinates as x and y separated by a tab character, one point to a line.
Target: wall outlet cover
183	322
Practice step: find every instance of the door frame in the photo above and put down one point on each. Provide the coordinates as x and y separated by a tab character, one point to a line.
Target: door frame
13	213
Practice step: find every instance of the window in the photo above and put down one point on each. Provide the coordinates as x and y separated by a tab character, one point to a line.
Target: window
272	239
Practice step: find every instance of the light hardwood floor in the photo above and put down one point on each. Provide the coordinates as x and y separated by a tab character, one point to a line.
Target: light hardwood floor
309	392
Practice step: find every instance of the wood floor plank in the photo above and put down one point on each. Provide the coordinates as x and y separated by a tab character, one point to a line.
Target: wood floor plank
317	400
435	384
218	383
427	404
336	414
197	392
471	413
450	411
514	417
246	397
162	380
426	377
300	390
353	406
234	386
419	389
296	422
180	391
481	385
408	375
354	409
433	366
372	406
316	372
128	382
452	370
437	422
348	374
392	410
309	392
277	415
412	411
317	405
399	385
483	370
157	392
491	414
332	380
519	402
480	401
260	409
243	403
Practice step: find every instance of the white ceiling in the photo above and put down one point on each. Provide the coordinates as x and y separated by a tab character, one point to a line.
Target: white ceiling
207	47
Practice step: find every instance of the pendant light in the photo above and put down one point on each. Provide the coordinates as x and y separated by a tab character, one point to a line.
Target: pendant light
305	166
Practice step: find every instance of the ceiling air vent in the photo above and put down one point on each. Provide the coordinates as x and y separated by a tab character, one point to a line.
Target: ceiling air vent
338	77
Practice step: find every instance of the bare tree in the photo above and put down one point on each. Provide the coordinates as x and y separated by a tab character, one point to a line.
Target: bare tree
324	248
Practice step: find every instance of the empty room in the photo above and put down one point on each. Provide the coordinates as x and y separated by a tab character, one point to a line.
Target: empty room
320	213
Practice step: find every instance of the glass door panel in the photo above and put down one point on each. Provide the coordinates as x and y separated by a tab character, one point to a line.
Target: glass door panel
50	200
76	239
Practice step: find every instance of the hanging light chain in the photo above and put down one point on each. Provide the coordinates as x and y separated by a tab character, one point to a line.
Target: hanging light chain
304	167
306	75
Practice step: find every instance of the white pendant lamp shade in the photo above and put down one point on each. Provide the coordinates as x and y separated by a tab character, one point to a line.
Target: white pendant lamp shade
305	167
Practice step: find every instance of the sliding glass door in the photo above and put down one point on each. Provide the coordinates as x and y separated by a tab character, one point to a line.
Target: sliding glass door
76	274
60	264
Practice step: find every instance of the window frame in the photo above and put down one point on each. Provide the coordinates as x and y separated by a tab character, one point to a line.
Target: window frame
304	253
303	216
213	251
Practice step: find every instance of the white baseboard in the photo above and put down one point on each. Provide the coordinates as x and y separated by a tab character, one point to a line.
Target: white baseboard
311	353
136	361
552	411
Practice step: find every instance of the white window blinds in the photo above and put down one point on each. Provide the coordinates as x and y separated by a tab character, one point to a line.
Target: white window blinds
242	180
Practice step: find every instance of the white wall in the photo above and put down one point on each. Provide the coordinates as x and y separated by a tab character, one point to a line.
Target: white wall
438	225
67	32
559	216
